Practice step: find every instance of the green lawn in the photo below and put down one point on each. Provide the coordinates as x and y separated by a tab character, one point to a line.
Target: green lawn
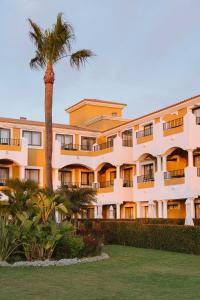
130	273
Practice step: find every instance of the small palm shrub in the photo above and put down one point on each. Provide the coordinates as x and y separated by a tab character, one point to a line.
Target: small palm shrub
9	239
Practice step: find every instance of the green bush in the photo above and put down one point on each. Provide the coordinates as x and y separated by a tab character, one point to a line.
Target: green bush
69	247
176	238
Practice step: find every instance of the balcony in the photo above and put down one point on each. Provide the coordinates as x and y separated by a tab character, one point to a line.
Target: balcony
145	181
3	181
173	127
127	183
127	143
106	145
10	144
74	185
174	177
145	135
198	120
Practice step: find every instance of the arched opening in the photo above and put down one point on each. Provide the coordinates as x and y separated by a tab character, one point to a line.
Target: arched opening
147	168
76	175
8	169
176	162
106	175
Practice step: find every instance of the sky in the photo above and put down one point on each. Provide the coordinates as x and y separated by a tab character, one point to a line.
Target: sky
147	55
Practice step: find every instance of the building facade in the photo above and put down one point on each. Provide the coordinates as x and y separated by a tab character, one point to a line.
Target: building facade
144	167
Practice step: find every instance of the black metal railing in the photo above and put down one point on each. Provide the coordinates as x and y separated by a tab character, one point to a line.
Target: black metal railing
145	178
76	147
174	174
198	120
106	145
105	184
3	181
11	142
127	183
173	124
198	172
69	184
127	143
146	132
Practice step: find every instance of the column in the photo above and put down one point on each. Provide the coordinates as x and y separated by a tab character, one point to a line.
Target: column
159	167
137	168
160	209
95	183
190	213
138	209
118	211
111	212
190	158
95	212
55	179
151	209
21	172
117	172
164	164
165	209
99	211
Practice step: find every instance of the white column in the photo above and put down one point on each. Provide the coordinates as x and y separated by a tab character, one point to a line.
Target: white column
138	208
21	172
160	209
137	168
111	212
118	211
164	163
159	163
151	209
190	158
99	209
189	209
165	209
95	212
117	172
95	176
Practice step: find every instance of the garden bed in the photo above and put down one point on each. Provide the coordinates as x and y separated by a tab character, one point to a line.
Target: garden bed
61	262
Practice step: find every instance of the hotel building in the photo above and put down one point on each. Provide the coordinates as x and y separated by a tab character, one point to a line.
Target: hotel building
143	167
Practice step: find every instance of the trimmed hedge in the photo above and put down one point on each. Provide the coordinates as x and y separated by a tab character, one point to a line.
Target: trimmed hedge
178	238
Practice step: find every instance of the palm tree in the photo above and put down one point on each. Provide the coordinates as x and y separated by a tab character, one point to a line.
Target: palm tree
75	199
52	45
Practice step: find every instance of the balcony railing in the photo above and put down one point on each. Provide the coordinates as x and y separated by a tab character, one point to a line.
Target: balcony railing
106	145
76	147
198	172
173	124
3	181
105	184
127	183
127	143
8	141
198	120
145	178
174	174
68	184
146	132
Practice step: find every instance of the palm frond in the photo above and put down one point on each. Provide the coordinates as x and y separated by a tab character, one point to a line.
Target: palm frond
80	57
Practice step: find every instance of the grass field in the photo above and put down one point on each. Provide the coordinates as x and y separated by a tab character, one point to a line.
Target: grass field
130	273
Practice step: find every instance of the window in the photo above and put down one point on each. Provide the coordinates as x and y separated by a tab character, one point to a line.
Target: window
114	114
112	177
173	206
197	161
4	136
65	140
4	175
148	129
87	143
32	174
148	170
87	178
111	138
127	138
65	177
33	137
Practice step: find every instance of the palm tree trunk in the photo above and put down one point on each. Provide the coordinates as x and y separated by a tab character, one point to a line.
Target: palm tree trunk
48	80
